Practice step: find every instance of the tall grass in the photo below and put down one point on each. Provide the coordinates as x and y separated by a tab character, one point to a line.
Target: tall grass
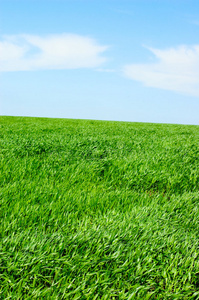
98	210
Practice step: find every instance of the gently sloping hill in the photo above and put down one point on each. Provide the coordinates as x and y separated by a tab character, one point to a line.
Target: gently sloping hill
98	210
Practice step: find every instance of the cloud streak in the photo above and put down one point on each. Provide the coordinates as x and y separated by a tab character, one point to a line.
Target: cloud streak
61	51
177	69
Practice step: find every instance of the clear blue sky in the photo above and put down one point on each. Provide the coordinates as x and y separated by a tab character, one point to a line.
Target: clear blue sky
125	60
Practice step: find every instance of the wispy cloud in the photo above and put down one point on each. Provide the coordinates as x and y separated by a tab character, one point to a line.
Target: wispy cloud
61	51
177	69
105	70
195	22
124	12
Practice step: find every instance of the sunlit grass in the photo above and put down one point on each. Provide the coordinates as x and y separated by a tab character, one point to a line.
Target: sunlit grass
98	210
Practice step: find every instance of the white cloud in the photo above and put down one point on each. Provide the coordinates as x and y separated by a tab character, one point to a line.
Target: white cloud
177	70
61	51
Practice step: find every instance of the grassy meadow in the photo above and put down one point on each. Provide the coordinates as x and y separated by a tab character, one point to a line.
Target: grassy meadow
98	210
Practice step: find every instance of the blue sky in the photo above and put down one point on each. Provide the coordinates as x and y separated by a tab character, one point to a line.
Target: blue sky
125	60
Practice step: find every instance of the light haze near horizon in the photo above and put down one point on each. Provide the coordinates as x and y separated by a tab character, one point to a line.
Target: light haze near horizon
123	60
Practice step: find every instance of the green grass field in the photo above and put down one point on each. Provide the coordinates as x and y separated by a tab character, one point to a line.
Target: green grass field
98	210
